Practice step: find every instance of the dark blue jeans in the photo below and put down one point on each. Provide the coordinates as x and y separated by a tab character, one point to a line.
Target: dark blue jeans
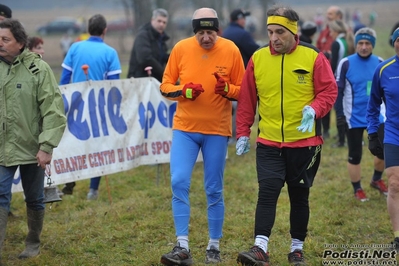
32	179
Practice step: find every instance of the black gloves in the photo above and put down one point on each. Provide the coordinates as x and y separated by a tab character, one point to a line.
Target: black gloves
341	121
375	145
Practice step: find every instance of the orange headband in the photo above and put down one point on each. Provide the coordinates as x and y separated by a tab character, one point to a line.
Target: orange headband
292	26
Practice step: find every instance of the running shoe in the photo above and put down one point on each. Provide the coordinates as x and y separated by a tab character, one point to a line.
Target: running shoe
380	186
178	256
254	257
360	195
212	255
296	258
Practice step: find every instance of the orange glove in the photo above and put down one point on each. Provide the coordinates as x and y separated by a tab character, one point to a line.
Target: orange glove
192	91
221	87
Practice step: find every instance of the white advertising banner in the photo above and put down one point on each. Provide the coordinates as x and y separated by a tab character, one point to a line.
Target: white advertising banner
112	126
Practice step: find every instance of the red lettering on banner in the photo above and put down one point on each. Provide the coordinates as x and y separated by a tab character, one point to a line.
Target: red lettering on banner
70	164
101	158
77	163
121	158
134	152
130	153
159	147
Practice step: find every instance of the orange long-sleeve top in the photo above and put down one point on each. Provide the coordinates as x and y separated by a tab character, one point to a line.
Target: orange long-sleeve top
210	113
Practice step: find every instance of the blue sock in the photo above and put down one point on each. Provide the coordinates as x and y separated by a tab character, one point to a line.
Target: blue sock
377	175
356	185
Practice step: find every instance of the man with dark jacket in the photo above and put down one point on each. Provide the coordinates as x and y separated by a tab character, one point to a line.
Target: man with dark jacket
308	30
149	48
243	40
241	37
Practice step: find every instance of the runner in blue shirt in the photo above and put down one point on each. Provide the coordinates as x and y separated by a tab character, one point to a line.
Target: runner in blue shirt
103	64
354	74
384	88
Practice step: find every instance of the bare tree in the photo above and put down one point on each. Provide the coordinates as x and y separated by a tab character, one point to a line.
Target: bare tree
180	12
265	6
142	12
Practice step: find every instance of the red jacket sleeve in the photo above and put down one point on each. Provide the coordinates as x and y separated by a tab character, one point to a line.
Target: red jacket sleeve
325	86
247	102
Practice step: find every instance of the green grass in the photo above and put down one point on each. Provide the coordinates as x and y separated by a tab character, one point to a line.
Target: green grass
136	228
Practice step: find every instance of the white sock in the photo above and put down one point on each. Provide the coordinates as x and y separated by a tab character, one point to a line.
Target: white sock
182	241
214	243
296	244
261	241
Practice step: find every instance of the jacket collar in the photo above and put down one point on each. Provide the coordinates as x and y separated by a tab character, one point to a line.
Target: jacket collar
154	33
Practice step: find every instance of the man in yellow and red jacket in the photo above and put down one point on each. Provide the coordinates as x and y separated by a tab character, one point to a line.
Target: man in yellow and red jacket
292	85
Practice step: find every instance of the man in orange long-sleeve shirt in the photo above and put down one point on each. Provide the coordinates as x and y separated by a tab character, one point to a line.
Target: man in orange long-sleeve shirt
210	69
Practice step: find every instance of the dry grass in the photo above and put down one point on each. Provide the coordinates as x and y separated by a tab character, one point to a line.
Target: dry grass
137	228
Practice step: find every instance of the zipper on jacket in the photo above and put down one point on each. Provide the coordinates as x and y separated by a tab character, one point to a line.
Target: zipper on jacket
282	97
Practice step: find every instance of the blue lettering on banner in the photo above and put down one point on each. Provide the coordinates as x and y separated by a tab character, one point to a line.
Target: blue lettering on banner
148	116
80	127
114	110
165	115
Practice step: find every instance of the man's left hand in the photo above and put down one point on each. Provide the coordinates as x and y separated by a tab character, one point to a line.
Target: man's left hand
308	115
221	87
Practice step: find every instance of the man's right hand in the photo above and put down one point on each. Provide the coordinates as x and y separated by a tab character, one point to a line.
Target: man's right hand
191	91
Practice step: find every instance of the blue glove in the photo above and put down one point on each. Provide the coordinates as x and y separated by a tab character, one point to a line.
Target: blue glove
308	115
242	145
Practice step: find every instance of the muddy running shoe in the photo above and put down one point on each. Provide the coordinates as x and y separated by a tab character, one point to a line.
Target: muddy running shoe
93	194
178	256
254	257
296	258
212	256
360	195
380	186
